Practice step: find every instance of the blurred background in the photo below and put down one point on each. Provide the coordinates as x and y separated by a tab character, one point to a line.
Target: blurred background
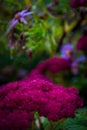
53	23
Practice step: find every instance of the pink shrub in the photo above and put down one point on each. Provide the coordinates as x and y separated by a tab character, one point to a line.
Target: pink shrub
36	92
20	99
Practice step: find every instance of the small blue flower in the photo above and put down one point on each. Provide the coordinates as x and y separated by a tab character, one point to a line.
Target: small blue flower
19	17
67	51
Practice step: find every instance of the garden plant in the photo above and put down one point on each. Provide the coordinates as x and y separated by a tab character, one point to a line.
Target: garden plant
43	65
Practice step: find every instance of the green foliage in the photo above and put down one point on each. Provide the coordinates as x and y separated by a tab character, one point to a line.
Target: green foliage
79	122
58	125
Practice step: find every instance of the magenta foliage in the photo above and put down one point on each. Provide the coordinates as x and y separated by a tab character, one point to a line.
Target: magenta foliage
77	3
82	43
56	64
20	99
53	65
63	101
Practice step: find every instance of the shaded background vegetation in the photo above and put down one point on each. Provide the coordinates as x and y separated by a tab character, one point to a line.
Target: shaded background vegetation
52	24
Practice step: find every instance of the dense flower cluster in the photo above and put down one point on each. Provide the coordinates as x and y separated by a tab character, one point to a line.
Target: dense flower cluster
77	3
63	101
19	99
11	116
56	64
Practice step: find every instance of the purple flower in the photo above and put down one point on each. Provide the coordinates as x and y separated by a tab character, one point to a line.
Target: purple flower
81	59
67	51
19	17
75	64
74	68
11	43
21	73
